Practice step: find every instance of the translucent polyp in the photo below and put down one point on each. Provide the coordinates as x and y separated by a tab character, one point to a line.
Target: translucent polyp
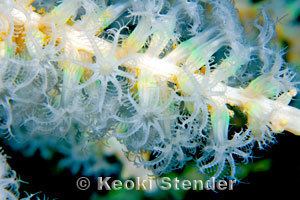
138	37
220	123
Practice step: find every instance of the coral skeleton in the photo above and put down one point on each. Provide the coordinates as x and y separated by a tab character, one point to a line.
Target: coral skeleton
159	76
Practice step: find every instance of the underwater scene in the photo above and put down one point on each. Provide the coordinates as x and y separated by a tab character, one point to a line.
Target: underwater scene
149	99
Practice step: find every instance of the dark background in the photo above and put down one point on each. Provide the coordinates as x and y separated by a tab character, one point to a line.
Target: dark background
282	179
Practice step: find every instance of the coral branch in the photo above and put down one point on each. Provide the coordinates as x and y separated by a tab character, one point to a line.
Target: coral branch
281	116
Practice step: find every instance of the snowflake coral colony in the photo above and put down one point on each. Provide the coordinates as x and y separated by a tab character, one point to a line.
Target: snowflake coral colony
162	77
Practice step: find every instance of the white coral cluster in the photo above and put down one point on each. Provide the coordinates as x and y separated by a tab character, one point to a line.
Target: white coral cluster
157	75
